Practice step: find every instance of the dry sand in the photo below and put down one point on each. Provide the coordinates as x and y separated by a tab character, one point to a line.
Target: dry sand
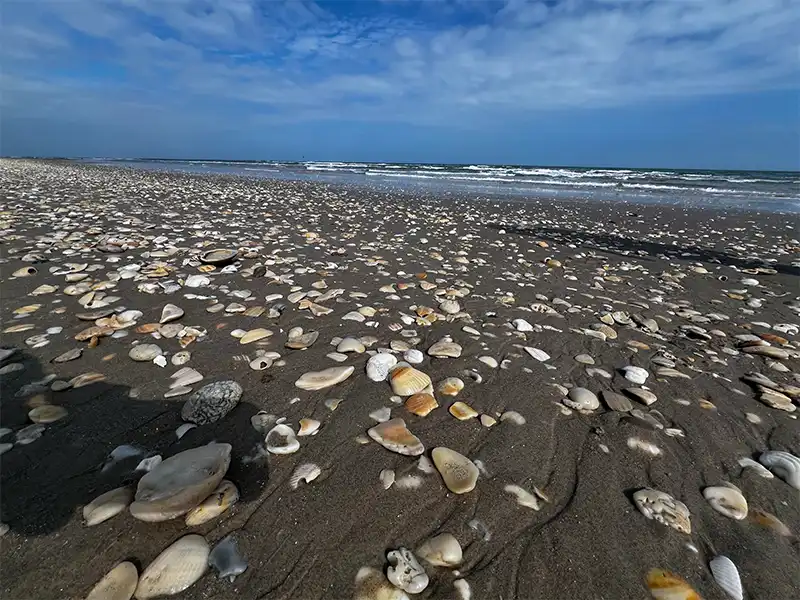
587	541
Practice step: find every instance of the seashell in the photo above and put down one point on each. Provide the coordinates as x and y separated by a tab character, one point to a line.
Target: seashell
381	415
758	467
395	436
319	380
47	413
349	344
663	508
220	500
459	473
379	365
450	386
94	331
664	585
387	478
226	560
616	402
145	352
107	505
169	313
180	482
181	358
726	501
582	400
727	576
421	404
86	379
44	289
306	472
175	569
281	439
784	465
462	411
512	416
254	335
407	381
19	328
450	307
262	421
218	256
634	443
118	584
442	550
27	310
211	402
184	429
646	397
524	497
445	348
25	272
260	363
539	355
371	584
308	427
770	521
405	572
636	375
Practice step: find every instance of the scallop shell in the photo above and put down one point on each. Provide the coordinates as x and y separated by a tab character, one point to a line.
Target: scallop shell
220	500
181	482
663	508
319	380
306	472
175	569
107	505
727	576
118	584
726	501
407	381
421	404
664	585
784	465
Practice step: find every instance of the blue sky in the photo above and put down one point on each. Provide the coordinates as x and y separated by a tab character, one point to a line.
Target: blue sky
692	83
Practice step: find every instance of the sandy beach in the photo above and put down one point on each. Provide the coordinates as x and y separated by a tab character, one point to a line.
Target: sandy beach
600	349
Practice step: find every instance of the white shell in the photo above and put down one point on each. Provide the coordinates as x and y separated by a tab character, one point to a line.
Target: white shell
281	439
118	584
319	380
727	576
175	569
539	355
107	505
726	501
442	550
378	366
405	571
306	472
784	465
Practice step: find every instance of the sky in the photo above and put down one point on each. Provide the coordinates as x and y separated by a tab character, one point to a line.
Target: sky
629	83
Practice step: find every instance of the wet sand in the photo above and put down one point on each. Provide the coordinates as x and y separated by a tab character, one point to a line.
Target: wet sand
678	267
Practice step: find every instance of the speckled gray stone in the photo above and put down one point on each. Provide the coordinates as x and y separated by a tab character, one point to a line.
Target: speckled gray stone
212	402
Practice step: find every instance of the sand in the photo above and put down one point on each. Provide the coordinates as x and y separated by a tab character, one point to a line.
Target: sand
587	541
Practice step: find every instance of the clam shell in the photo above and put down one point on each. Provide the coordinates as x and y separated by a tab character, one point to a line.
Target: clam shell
47	413
459	473
281	439
395	436
664	585
442	550
582	400
308	427
462	411
306	472
218	256
170	312
727	576
254	335
726	501
663	508
220	500
175	569
445	349
144	352
107	505
319	380
784	465
118	584
407	381
180	482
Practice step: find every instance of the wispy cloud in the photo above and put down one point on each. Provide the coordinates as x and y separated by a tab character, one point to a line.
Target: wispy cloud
400	61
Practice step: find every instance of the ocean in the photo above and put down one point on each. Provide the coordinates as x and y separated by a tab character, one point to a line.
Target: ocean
762	190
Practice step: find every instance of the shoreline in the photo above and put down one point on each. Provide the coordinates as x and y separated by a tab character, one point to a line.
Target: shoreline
561	266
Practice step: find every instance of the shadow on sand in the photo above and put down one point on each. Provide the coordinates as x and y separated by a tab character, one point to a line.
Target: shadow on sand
624	246
46	483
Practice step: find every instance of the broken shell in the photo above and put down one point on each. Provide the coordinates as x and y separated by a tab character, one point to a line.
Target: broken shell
663	508
319	380
442	550
726	501
407	381
220	500
306	472
281	439
421	404
395	436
